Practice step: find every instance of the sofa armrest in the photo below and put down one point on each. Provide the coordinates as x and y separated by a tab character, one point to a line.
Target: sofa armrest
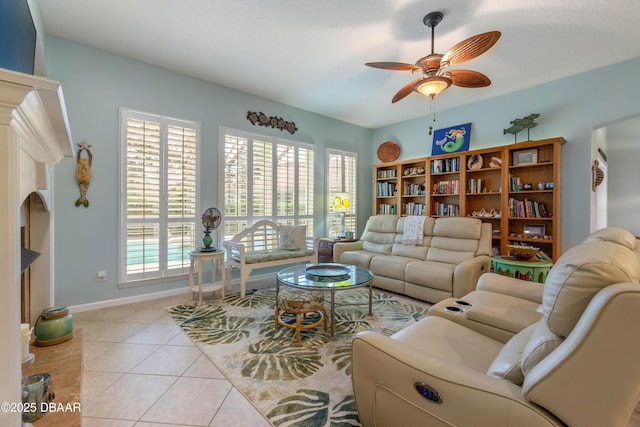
492	282
388	396
340	247
467	273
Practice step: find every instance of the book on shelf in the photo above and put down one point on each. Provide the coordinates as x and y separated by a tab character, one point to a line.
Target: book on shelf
527	209
387	173
413	189
386	189
447	187
446	209
413	208
387	209
445	165
474	185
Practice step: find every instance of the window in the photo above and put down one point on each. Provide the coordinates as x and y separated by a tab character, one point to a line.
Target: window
342	167
158	202
265	178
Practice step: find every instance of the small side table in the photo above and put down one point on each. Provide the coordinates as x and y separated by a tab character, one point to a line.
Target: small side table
325	248
533	270
200	257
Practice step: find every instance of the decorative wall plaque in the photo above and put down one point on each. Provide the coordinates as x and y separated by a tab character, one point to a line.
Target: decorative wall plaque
275	122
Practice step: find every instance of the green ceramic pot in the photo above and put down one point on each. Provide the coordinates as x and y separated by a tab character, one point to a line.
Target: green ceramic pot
54	326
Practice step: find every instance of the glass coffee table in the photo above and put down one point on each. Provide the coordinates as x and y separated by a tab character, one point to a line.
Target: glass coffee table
326	277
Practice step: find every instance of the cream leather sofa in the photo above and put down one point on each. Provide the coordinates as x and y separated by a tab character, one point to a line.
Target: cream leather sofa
500	307
577	365
452	256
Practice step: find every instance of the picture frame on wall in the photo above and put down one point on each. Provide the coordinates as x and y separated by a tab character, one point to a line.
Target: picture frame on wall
451	140
525	157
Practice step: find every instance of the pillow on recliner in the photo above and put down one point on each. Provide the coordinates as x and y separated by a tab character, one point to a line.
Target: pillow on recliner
578	275
506	365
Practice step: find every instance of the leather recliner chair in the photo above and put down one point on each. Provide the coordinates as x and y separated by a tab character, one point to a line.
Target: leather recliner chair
578	365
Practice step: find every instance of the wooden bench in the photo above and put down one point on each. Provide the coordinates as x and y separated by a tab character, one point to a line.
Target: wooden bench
258	247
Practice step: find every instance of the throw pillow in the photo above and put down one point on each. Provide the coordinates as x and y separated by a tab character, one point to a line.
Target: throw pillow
540	344
292	237
507	364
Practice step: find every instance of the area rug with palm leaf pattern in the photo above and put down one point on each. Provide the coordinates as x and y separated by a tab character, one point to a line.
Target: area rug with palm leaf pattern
307	384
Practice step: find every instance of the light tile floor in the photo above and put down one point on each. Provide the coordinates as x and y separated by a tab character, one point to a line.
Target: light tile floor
141	370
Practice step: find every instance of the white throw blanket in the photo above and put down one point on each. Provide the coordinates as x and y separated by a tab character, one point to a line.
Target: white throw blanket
413	231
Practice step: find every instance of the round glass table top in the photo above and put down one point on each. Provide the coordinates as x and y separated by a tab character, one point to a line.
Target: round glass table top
325	276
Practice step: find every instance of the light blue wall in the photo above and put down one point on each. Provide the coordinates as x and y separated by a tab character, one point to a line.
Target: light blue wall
571	107
95	85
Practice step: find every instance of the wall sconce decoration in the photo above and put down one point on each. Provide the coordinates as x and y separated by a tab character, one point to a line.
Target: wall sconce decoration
275	122
83	173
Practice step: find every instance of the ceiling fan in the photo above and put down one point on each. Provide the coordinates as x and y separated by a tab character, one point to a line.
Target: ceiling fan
435	66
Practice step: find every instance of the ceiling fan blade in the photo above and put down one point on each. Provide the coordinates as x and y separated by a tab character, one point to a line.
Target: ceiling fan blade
468	78
471	47
406	90
397	66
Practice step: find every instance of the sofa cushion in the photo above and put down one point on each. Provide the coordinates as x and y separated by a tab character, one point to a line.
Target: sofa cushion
416	252
437	337
458	228
378	248
389	266
541	342
578	275
292	237
257	257
359	258
615	235
436	275
507	364
455	240
379	234
502	311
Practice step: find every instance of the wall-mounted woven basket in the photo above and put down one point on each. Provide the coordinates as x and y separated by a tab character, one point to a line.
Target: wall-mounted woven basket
388	151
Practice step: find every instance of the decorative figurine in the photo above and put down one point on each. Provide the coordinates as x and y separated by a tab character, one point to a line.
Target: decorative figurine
519	124
83	173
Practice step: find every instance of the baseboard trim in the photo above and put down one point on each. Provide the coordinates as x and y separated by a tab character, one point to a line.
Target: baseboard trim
153	295
127	300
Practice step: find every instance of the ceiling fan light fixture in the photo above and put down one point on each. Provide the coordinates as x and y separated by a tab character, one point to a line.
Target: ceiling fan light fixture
432	86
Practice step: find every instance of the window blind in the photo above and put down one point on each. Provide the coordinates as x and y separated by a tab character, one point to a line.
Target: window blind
159	191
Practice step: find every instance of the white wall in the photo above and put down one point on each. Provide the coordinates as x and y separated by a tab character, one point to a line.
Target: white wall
623	187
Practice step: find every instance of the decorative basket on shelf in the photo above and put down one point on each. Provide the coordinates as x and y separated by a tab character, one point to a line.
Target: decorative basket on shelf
522	252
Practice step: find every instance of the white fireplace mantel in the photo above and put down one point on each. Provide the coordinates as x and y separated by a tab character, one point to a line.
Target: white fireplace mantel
34	135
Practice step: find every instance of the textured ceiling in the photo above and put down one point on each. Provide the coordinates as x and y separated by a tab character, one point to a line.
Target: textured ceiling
311	53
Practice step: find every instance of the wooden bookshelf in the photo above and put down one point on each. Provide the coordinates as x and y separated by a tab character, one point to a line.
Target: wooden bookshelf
516	188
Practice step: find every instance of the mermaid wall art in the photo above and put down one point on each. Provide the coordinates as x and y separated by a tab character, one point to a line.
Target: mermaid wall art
451	140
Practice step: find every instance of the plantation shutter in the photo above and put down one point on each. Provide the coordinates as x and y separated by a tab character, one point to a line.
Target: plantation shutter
159	189
265	178
341	178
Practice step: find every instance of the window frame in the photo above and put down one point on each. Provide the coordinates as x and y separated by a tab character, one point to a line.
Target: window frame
165	272
351	217
296	218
